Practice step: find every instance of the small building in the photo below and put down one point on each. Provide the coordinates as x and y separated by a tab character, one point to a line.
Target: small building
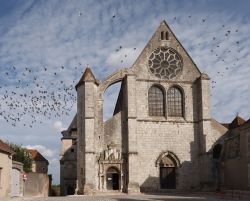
38	181
5	169
39	163
235	156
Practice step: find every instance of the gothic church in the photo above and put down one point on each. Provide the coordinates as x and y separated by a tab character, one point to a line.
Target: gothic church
160	136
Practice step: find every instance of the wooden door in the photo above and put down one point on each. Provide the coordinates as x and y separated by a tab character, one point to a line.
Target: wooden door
167	177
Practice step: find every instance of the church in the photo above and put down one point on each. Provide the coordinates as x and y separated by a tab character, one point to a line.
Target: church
161	135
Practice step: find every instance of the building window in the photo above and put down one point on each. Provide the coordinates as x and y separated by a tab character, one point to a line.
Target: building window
72	150
164	35
156	101
175	102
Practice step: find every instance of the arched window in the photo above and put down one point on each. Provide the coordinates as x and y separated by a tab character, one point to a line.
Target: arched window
175	102
156	101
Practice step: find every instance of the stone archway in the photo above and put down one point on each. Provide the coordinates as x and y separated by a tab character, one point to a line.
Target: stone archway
168	164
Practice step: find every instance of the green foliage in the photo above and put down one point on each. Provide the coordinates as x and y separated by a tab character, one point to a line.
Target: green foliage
55	190
22	155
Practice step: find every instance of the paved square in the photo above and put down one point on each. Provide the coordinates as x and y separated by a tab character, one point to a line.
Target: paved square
124	197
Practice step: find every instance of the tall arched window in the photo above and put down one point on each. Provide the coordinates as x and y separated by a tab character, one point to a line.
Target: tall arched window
156	101
175	102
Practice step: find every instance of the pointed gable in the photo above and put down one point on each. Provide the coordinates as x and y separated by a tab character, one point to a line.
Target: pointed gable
87	76
238	121
165	38
36	156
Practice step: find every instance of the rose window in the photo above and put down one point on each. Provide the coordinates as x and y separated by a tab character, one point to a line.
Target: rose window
165	63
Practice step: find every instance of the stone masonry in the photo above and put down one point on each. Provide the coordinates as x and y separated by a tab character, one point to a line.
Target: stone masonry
135	151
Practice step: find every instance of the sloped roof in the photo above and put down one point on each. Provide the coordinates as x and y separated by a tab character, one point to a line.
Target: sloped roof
87	76
164	26
36	156
238	121
6	148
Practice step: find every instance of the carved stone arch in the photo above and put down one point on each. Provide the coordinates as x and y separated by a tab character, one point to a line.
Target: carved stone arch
113	169
162	88
168	156
178	87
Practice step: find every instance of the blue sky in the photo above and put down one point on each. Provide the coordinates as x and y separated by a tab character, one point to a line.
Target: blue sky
45	46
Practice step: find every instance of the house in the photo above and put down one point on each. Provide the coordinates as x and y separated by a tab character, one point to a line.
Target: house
39	163
38	181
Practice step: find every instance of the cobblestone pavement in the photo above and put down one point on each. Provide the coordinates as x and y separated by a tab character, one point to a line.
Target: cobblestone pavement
124	197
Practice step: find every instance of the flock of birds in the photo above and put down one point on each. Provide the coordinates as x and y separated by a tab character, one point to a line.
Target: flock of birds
23	93
33	96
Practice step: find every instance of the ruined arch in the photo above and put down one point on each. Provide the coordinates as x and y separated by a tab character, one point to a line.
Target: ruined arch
115	77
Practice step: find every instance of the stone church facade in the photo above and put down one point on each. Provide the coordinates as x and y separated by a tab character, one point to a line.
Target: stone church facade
161	134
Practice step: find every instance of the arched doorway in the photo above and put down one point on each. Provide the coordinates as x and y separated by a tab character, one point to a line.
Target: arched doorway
112	179
168	164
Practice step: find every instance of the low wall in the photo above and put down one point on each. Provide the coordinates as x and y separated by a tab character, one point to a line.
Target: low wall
37	184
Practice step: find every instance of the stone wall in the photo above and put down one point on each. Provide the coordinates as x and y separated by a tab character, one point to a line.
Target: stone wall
5	177
37	184
113	130
157	137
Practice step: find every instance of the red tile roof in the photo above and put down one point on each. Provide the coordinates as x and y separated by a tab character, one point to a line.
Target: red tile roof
6	148
36	156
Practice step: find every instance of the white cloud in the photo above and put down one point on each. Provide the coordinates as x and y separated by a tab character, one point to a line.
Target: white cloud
45	151
58	126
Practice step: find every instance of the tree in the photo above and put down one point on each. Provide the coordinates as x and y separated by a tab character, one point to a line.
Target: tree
21	155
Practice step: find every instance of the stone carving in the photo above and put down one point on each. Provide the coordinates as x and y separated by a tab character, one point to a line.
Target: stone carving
110	154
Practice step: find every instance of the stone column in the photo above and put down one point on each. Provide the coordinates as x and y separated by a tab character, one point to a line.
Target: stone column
133	185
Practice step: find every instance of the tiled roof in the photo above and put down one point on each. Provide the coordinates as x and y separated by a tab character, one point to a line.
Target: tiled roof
36	156
6	148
